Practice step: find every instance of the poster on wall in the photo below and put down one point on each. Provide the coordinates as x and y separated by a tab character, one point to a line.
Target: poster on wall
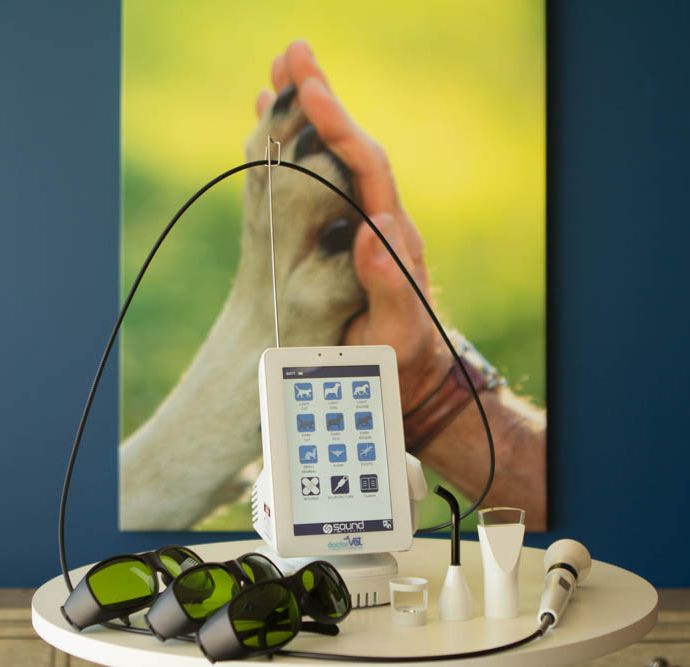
433	117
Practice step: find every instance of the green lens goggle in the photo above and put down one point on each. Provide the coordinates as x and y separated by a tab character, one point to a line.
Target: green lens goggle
265	616
123	585
198	592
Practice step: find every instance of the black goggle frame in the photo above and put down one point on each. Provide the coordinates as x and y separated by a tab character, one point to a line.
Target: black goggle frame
82	608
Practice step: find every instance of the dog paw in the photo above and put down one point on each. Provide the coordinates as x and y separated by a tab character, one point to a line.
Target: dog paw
314	229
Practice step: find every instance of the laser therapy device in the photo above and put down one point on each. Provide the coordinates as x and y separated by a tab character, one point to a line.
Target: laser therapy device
337	483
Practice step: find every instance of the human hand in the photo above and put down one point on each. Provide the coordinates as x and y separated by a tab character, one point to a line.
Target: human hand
394	315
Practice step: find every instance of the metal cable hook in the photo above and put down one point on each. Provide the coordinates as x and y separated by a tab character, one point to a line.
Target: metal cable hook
269	165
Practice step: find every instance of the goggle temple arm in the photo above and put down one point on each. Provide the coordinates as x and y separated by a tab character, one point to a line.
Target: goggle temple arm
319	628
236	570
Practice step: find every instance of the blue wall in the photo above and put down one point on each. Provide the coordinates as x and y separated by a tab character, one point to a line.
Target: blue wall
618	281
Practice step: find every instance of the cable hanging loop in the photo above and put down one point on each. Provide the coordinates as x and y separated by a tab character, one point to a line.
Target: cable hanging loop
138	279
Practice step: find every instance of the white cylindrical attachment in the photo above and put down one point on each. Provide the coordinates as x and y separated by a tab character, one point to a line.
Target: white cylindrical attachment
501	532
455	601
409	600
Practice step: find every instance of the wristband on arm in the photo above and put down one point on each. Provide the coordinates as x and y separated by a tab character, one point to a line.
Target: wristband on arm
439	409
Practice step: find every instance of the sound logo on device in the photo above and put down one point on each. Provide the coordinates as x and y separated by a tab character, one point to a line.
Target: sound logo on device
343	527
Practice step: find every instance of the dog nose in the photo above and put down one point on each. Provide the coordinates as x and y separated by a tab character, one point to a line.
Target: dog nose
337	236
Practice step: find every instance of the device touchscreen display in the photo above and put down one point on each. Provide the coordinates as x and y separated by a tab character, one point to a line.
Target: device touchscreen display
337	450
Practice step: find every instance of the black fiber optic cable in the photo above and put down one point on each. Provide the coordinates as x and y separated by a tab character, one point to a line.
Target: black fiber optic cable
547	620
109	347
137	281
441	330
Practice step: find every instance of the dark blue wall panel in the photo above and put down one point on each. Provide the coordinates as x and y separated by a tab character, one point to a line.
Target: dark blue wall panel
618	281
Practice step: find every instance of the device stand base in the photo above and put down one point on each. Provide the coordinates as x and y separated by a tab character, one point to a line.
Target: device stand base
366	575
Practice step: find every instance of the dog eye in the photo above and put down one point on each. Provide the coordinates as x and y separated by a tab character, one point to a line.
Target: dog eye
337	236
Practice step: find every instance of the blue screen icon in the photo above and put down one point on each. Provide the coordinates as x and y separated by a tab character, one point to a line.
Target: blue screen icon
335	421
306	423
332	391
364	421
303	391
308	454
366	451
337	453
361	389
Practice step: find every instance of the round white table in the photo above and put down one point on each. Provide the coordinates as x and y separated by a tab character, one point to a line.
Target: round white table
613	608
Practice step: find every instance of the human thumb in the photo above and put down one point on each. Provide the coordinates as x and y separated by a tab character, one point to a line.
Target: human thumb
388	291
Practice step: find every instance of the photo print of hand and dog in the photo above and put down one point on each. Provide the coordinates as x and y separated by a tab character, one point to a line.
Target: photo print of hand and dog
432	116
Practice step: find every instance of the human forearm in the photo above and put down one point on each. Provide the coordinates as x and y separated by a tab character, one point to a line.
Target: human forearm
460	454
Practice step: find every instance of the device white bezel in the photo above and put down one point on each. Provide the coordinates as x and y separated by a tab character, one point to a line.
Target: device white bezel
275	446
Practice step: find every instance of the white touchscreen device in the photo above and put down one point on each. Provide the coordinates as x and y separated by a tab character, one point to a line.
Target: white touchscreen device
334	478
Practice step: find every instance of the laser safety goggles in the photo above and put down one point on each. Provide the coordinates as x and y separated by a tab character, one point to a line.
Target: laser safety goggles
203	589
265	616
122	585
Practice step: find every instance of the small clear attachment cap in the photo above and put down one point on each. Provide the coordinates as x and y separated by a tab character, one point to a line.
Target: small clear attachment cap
409	600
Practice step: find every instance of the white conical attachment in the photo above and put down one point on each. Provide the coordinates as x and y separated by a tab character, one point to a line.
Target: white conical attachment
455	601
501	531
